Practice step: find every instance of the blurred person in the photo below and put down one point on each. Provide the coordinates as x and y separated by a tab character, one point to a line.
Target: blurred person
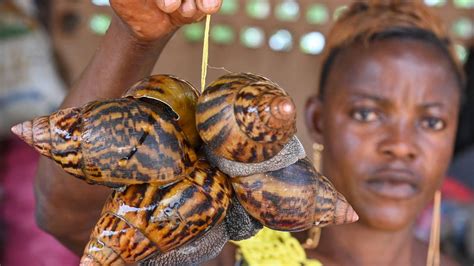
29	86
463	161
459	212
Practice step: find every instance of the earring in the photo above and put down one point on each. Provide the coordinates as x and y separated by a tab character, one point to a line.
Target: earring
317	157
433	249
314	233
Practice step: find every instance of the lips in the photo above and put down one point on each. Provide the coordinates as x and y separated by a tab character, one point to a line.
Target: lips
394	183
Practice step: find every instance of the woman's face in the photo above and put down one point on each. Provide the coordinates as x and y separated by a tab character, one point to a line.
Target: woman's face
388	124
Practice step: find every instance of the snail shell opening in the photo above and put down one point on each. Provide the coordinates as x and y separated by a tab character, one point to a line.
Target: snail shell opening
176	93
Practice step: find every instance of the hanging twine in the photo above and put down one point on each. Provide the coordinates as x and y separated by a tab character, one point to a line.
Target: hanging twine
205	53
314	233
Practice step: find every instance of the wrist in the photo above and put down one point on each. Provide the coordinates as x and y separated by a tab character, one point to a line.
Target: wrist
120	60
119	30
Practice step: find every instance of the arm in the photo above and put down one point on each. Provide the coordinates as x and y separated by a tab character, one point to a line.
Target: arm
67	207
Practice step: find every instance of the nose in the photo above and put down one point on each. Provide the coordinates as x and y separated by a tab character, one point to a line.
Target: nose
400	143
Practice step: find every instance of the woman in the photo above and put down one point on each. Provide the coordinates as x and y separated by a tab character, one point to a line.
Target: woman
386	113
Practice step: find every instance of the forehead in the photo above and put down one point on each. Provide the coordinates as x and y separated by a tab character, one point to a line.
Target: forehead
400	68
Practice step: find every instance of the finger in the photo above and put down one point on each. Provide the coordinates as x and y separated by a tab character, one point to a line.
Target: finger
188	9
209	6
178	19
168	6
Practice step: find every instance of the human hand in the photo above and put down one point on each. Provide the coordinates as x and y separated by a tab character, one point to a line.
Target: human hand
149	20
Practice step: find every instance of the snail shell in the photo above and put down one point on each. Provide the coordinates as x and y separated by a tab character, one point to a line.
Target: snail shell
114	142
196	252
294	198
237	225
176	93
246	118
146	220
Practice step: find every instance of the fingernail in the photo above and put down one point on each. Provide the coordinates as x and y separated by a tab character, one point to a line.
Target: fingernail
210	4
169	3
188	9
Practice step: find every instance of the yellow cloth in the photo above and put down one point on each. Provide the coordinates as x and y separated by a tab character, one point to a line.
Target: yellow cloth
275	248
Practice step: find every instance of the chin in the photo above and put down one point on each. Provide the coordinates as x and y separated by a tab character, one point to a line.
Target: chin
387	218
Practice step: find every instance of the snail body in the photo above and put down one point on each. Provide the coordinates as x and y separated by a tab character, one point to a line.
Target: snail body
290	153
146	220
117	142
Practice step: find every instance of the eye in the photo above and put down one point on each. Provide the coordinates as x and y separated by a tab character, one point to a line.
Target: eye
364	115
433	123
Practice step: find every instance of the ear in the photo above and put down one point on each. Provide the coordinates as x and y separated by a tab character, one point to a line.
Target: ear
313	117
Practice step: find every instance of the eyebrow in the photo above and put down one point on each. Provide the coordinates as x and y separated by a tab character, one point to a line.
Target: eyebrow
373	97
384	100
432	105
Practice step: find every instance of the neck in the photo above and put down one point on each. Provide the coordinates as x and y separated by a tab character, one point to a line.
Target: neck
367	246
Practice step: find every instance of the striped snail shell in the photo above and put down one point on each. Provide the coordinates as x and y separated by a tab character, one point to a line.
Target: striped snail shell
146	220
115	142
246	118
237	225
176	93
195	252
294	198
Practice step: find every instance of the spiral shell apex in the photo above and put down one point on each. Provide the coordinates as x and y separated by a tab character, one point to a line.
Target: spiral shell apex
245	118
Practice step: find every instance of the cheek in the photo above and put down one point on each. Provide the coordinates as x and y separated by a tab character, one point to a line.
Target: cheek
437	154
346	152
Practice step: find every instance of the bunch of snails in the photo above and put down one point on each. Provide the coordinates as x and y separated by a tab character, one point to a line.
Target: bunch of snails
189	171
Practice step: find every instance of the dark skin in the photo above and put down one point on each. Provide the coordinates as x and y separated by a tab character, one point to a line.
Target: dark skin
388	122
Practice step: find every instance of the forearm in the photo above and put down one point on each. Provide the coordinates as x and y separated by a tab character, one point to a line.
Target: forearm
119	62
66	206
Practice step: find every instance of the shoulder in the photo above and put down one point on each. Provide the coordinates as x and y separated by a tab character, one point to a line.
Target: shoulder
448	261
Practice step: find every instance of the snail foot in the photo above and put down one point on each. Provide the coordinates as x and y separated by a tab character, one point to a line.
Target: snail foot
291	152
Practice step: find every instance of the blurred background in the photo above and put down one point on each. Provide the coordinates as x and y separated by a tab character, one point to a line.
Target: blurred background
45	45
